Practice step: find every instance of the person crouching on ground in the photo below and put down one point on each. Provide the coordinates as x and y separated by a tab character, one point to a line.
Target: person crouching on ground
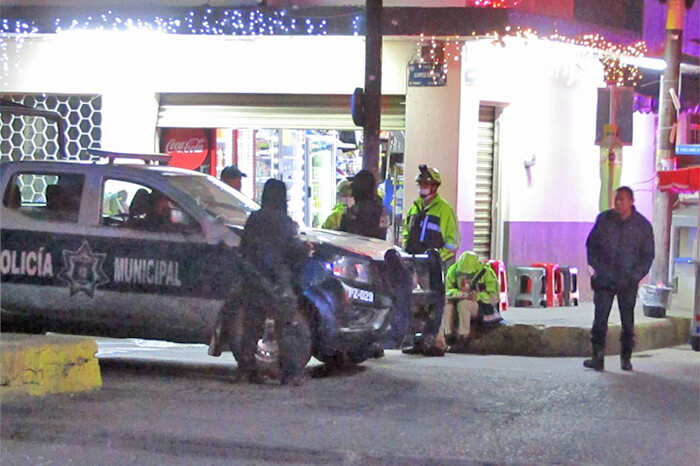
471	288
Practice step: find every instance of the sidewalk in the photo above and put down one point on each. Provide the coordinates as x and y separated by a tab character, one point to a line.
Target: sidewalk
42	364
565	331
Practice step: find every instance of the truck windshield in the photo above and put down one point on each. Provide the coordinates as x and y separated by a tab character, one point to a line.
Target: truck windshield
217	198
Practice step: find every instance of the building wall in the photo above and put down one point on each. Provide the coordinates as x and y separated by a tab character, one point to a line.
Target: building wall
548	93
432	128
655	28
131	69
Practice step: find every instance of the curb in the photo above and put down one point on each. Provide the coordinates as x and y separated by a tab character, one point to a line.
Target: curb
555	341
41	364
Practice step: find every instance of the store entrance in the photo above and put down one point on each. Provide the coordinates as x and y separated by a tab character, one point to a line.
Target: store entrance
311	163
308	141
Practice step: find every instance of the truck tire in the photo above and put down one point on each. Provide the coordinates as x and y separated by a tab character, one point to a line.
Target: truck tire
345	360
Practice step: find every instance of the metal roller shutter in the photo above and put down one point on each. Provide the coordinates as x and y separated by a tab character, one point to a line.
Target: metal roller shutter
291	111
484	181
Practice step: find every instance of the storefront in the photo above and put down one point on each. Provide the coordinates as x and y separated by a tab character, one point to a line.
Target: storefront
308	141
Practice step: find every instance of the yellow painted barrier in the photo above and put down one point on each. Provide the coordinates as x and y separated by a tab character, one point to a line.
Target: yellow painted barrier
41	364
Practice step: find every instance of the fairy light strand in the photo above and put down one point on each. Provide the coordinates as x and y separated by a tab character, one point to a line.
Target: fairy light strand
616	71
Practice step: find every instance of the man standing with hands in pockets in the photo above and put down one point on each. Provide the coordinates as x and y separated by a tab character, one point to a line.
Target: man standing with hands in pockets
620	250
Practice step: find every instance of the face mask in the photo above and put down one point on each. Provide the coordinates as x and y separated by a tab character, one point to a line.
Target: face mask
424	192
348	201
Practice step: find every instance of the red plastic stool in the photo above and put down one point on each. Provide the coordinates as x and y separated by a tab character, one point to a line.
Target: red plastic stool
555	283
500	269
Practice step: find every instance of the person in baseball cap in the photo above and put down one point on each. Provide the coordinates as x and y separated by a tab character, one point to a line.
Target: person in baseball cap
232	176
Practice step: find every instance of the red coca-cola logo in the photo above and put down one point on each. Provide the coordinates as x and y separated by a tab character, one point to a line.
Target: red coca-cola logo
188	147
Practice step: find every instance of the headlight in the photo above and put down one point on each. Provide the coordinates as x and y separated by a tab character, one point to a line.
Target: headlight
351	268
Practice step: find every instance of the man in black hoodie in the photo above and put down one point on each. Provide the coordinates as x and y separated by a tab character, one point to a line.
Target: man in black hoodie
367	217
271	250
620	250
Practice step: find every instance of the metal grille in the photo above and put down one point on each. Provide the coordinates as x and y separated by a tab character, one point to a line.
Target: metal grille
35	138
484	182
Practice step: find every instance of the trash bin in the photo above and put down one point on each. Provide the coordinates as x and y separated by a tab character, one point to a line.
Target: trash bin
655	300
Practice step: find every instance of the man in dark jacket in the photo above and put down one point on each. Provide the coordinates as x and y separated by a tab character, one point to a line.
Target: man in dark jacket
367	216
271	250
620	250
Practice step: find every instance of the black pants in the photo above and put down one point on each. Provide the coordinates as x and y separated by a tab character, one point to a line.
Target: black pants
603	299
275	299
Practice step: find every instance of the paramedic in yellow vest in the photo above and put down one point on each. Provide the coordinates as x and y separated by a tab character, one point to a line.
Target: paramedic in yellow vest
344	200
471	288
431	222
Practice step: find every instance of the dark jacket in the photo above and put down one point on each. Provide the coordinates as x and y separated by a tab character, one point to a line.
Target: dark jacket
269	241
620	251
367	217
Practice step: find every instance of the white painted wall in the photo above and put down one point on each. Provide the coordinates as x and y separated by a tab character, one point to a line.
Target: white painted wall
432	133
549	93
130	69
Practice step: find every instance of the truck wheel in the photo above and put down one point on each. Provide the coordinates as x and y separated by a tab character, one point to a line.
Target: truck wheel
344	360
14	324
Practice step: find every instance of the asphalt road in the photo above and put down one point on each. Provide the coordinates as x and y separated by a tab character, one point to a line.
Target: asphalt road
171	404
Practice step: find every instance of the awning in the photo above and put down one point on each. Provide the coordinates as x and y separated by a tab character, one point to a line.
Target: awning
211	110
683	180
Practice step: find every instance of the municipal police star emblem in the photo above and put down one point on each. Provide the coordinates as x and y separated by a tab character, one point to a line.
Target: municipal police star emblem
83	270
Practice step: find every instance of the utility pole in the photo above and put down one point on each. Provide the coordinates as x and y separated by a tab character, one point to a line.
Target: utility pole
373	86
665	139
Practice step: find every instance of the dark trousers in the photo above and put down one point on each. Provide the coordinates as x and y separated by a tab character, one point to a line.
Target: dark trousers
603	299
275	299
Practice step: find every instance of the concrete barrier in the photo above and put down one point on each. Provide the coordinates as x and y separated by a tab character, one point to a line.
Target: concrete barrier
41	364
554	341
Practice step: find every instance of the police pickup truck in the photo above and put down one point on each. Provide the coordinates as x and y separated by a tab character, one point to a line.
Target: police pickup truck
87	249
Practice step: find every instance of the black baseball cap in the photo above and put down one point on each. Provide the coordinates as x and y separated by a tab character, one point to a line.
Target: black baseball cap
232	171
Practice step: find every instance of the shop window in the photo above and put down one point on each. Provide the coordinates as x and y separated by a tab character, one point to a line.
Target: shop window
692	137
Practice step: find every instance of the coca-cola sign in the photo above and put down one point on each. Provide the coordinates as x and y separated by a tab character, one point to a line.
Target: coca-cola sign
188	147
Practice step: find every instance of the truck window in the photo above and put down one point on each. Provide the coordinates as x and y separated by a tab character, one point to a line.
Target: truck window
46	196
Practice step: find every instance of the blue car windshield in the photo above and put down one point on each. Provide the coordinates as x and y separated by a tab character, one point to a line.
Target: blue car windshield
215	197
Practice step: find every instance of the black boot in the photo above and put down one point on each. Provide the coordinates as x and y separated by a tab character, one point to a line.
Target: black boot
415	346
461	345
432	348
597	361
625	359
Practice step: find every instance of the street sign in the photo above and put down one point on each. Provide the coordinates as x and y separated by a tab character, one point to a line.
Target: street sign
426	74
688	149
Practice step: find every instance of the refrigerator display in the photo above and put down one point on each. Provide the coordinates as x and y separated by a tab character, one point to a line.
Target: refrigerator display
320	177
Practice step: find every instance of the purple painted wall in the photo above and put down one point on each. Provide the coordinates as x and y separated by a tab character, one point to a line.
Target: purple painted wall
466	230
563	243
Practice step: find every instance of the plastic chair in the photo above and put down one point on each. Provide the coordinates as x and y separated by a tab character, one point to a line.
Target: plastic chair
555	283
529	287
571	294
499	269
